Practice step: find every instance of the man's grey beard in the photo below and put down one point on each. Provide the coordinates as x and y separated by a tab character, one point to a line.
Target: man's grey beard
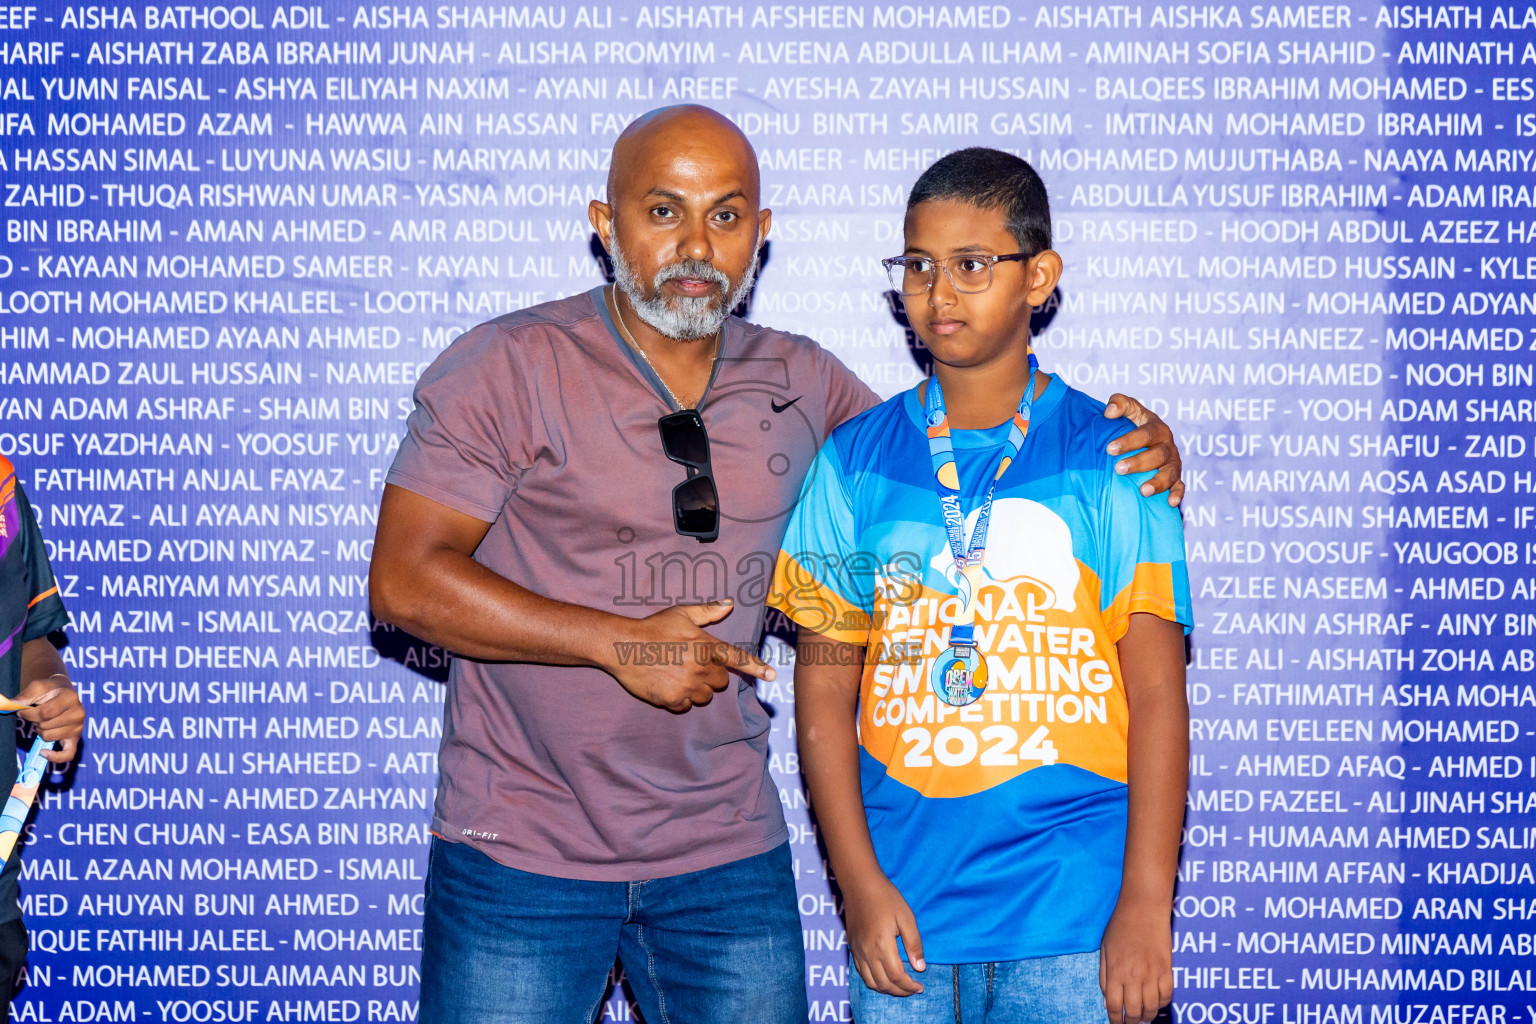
687	318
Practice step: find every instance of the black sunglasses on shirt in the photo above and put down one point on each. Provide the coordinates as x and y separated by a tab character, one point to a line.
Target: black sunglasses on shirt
695	502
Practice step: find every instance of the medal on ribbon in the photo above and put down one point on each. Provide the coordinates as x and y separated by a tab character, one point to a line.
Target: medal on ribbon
959	676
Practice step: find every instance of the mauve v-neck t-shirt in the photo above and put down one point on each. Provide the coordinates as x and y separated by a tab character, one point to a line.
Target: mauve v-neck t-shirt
543	424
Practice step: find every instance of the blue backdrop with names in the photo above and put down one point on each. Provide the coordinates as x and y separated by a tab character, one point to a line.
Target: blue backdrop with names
235	235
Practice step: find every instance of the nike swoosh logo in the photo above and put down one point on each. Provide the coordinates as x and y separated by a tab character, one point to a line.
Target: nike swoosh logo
780	408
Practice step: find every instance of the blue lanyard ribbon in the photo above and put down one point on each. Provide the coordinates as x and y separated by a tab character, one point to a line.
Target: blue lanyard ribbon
968	558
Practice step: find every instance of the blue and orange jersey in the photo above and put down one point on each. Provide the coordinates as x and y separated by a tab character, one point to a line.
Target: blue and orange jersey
1001	823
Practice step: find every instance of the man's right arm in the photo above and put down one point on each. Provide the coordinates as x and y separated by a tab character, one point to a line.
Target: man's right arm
425	580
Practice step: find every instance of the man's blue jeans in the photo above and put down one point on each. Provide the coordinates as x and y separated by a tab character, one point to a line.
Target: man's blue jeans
505	946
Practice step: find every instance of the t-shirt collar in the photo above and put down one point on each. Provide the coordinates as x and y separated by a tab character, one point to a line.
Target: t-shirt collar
600	300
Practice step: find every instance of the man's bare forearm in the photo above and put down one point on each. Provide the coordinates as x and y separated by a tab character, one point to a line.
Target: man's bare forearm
1152	654
826	718
458	604
424	579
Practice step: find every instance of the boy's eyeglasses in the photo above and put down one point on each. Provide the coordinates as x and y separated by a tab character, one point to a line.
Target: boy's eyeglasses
695	502
913	275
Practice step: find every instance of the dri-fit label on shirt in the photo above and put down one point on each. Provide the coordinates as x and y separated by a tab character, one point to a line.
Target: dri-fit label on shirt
1002	823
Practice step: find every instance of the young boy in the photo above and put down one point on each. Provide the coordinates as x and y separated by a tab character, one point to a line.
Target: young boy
990	685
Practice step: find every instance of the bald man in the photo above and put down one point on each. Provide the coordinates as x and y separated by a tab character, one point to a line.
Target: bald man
586	510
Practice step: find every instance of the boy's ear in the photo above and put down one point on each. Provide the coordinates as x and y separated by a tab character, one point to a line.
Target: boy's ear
1042	272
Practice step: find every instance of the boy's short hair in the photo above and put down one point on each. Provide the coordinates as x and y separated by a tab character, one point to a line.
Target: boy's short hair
992	180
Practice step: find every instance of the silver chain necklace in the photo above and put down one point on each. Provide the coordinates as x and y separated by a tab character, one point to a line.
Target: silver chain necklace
618	317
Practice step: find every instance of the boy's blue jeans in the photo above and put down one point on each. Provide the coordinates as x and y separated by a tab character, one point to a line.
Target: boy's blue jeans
1050	990
505	946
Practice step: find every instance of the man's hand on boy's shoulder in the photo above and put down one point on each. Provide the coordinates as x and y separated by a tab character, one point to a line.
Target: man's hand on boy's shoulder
876	914
1156	437
1136	963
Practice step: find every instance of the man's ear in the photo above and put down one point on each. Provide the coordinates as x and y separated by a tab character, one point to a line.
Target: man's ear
764	222
1042	273
600	215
